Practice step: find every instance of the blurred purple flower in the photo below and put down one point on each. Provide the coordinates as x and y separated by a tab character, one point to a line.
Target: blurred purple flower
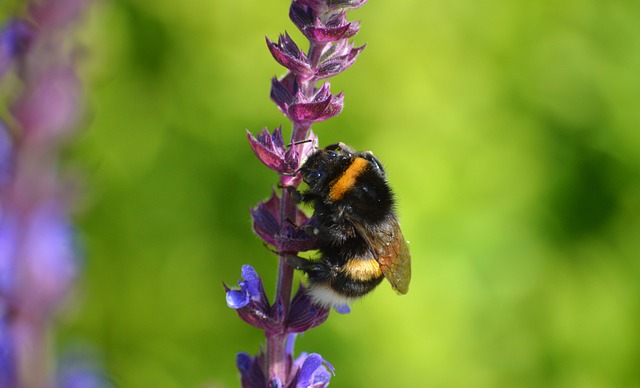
6	156
38	255
56	13
8	262
15	38
8	366
50	105
80	369
48	257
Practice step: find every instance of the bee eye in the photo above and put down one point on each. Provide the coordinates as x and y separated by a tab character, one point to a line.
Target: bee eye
315	175
374	161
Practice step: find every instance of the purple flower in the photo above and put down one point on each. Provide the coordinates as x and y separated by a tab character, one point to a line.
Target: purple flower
252	305
283	235
251	370
308	370
271	151
302	109
338	58
305	315
313	371
335	27
250	290
285	160
329	7
287	53
251	302
266	219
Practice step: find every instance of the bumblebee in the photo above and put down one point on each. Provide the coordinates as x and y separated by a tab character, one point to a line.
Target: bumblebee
359	238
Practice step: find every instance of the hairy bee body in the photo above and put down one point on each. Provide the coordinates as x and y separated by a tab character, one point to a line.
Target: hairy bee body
360	241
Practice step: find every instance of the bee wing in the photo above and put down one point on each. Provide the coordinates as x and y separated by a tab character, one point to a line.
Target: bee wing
392	253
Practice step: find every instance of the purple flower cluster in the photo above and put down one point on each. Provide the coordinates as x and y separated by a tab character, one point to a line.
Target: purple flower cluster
277	220
38	253
308	370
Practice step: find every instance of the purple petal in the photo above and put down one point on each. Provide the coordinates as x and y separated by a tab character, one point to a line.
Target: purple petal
266	219
287	53
305	315
269	148
317	110
237	299
336	64
250	368
281	95
250	302
313	372
252	281
295	239
321	6
342	309
301	16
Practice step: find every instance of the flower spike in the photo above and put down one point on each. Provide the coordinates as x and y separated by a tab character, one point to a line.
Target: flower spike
278	221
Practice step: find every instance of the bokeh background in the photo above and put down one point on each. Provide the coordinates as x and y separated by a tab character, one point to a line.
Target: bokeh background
510	132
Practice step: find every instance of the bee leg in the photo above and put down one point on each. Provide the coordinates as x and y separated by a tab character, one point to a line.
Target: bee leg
303	264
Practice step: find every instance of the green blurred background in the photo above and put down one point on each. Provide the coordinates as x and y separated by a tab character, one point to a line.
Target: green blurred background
510	134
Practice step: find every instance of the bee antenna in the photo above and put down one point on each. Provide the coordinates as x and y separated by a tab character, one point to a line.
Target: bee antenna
300	142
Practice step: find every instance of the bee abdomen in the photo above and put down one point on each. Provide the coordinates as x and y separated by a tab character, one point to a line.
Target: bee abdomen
341	286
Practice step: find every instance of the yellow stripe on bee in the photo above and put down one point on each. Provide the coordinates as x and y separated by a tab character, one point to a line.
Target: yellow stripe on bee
363	270
348	179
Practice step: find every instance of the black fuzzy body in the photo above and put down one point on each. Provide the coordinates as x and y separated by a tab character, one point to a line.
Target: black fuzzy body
363	203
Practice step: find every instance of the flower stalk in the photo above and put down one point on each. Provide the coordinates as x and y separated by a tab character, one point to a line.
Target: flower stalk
278	220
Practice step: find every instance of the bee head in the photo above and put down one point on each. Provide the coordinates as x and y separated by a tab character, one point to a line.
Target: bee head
321	167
